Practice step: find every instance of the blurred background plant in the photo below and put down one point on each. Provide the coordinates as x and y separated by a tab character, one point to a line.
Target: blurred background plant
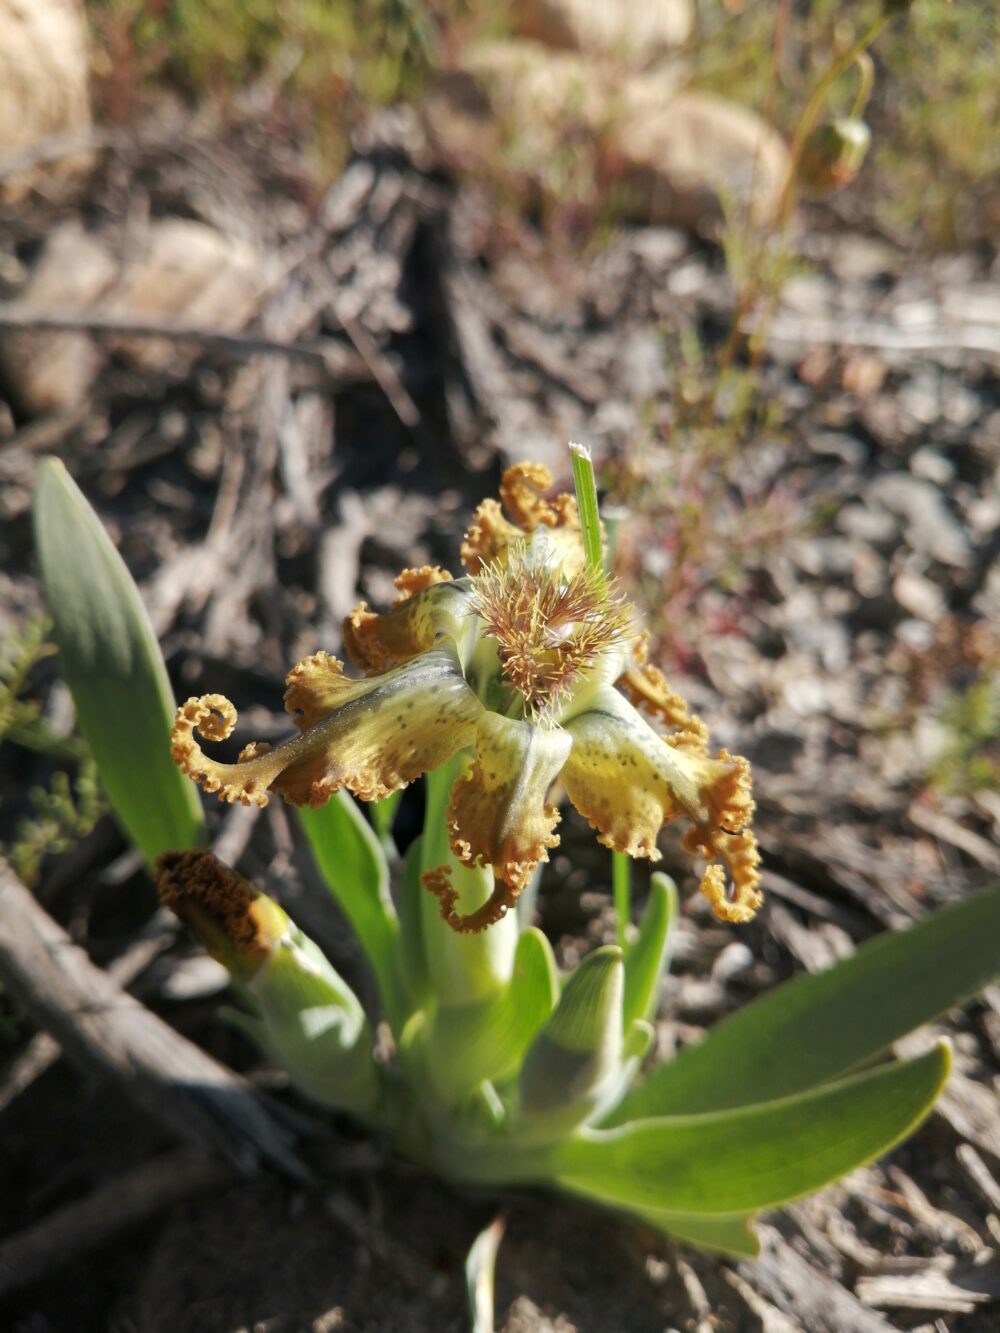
55	817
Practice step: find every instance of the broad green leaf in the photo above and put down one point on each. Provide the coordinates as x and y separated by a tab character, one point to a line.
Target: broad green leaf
111	661
742	1160
727	1235
351	861
646	958
819	1026
468	1044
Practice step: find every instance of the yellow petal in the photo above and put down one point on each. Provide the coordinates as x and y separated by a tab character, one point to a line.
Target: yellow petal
377	642
627	782
736	898
522	491
647	688
372	736
489	535
497	815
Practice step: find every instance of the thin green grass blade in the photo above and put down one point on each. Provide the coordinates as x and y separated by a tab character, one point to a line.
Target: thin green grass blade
586	499
111	661
646	958
817	1027
739	1161
350	859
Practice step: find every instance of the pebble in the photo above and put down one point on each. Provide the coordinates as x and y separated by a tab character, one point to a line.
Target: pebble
930	526
870	524
919	596
932	466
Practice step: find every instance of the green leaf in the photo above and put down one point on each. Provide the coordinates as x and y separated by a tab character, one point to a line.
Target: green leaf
646	958
412	955
819	1026
383	813
739	1161
469	1043
351	861
727	1235
111	661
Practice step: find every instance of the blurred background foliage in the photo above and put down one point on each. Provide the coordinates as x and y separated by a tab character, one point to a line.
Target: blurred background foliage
934	113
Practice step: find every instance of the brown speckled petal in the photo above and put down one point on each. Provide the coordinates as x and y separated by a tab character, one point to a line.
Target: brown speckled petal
497	815
377	642
371	736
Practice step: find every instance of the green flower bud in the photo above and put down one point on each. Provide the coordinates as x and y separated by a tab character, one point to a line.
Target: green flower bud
574	1064
304	1015
832	156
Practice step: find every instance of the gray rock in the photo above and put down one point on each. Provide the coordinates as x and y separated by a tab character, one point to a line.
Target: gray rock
931	528
870	524
932	466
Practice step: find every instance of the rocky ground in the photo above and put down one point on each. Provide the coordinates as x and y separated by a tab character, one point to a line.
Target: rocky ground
846	588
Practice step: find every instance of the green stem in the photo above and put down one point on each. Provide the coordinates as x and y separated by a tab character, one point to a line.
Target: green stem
786	200
590	531
462	968
621	884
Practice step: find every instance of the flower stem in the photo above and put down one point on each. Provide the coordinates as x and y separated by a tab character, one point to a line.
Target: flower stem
590	531
621	884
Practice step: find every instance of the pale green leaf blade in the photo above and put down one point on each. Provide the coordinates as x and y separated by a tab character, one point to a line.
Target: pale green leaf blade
739	1161
352	863
819	1026
480	1266
646	958
111	661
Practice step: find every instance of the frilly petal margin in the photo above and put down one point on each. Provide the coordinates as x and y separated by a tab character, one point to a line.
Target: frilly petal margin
522	489
497	815
376	642
628	783
371	736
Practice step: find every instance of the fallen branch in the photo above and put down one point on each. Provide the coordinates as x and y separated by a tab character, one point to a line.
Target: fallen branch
340	362
930	339
105	1030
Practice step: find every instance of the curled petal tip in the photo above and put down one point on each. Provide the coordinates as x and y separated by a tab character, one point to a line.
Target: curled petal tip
735	897
496	907
213	717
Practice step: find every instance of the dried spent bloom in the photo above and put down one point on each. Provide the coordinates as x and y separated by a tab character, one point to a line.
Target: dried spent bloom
239	926
532	663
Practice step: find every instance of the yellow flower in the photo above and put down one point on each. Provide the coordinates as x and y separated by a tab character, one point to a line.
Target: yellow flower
531	662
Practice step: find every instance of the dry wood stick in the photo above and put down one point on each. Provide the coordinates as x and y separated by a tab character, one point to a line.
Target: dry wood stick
340	363
105	1030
